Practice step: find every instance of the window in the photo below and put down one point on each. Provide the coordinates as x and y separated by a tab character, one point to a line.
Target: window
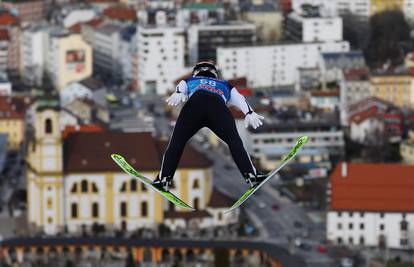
404	225
351	214
339	240
144	188
123	209
49	203
381	215
196	184
361	214
49	220
220	216
361	240
144	209
74	210
95	210
339	214
382	227
361	226
196	203
351	241
339	226
94	188
350	226
74	188
133	185
123	187
48	126
84	186
404	242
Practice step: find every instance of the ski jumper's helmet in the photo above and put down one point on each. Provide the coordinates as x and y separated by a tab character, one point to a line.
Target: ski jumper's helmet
205	69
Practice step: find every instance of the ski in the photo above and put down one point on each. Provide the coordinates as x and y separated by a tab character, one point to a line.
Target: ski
292	153
126	167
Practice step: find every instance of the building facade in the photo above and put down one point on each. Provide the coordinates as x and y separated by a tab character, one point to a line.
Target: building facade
397	88
160	54
69	58
266	16
33	54
407	148
307	28
28	10
272	65
203	40
12	122
370	205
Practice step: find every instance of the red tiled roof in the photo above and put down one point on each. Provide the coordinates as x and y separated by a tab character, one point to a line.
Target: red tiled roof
325	93
10	109
90	152
8	19
220	200
120	13
198	214
363	115
356	74
4	35
84	128
373	187
76	28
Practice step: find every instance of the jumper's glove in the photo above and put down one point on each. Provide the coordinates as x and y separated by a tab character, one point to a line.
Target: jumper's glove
253	119
176	98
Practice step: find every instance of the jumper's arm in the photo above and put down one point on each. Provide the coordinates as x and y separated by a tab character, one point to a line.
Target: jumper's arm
238	100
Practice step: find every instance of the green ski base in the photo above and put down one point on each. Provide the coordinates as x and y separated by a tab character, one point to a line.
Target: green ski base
292	153
120	160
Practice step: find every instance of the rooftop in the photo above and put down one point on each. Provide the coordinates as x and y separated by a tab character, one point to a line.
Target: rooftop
9	109
380	187
120	13
220	200
258	6
207	6
7	18
90	152
108	29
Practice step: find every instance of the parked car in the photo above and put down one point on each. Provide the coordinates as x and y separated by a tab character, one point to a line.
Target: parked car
322	249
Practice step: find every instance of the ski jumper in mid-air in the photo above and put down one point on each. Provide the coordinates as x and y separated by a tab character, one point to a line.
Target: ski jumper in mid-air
207	107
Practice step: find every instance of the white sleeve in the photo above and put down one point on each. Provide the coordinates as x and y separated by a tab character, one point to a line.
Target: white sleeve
238	100
182	87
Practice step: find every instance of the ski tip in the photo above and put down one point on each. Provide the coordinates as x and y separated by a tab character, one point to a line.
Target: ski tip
303	139
116	156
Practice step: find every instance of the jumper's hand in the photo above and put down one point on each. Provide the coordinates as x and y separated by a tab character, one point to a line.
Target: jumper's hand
253	119
176	98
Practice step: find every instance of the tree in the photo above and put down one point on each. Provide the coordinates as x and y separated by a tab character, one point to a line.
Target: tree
389	39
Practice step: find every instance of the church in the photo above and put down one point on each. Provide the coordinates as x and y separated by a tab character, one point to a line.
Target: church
72	182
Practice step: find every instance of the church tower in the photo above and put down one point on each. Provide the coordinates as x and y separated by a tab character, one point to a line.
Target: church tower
45	160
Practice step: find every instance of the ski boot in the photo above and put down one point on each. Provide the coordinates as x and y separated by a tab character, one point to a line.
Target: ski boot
163	183
254	179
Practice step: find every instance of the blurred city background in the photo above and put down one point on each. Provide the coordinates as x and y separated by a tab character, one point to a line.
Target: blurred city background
80	80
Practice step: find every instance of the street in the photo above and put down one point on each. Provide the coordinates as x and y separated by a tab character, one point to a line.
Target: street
278	226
